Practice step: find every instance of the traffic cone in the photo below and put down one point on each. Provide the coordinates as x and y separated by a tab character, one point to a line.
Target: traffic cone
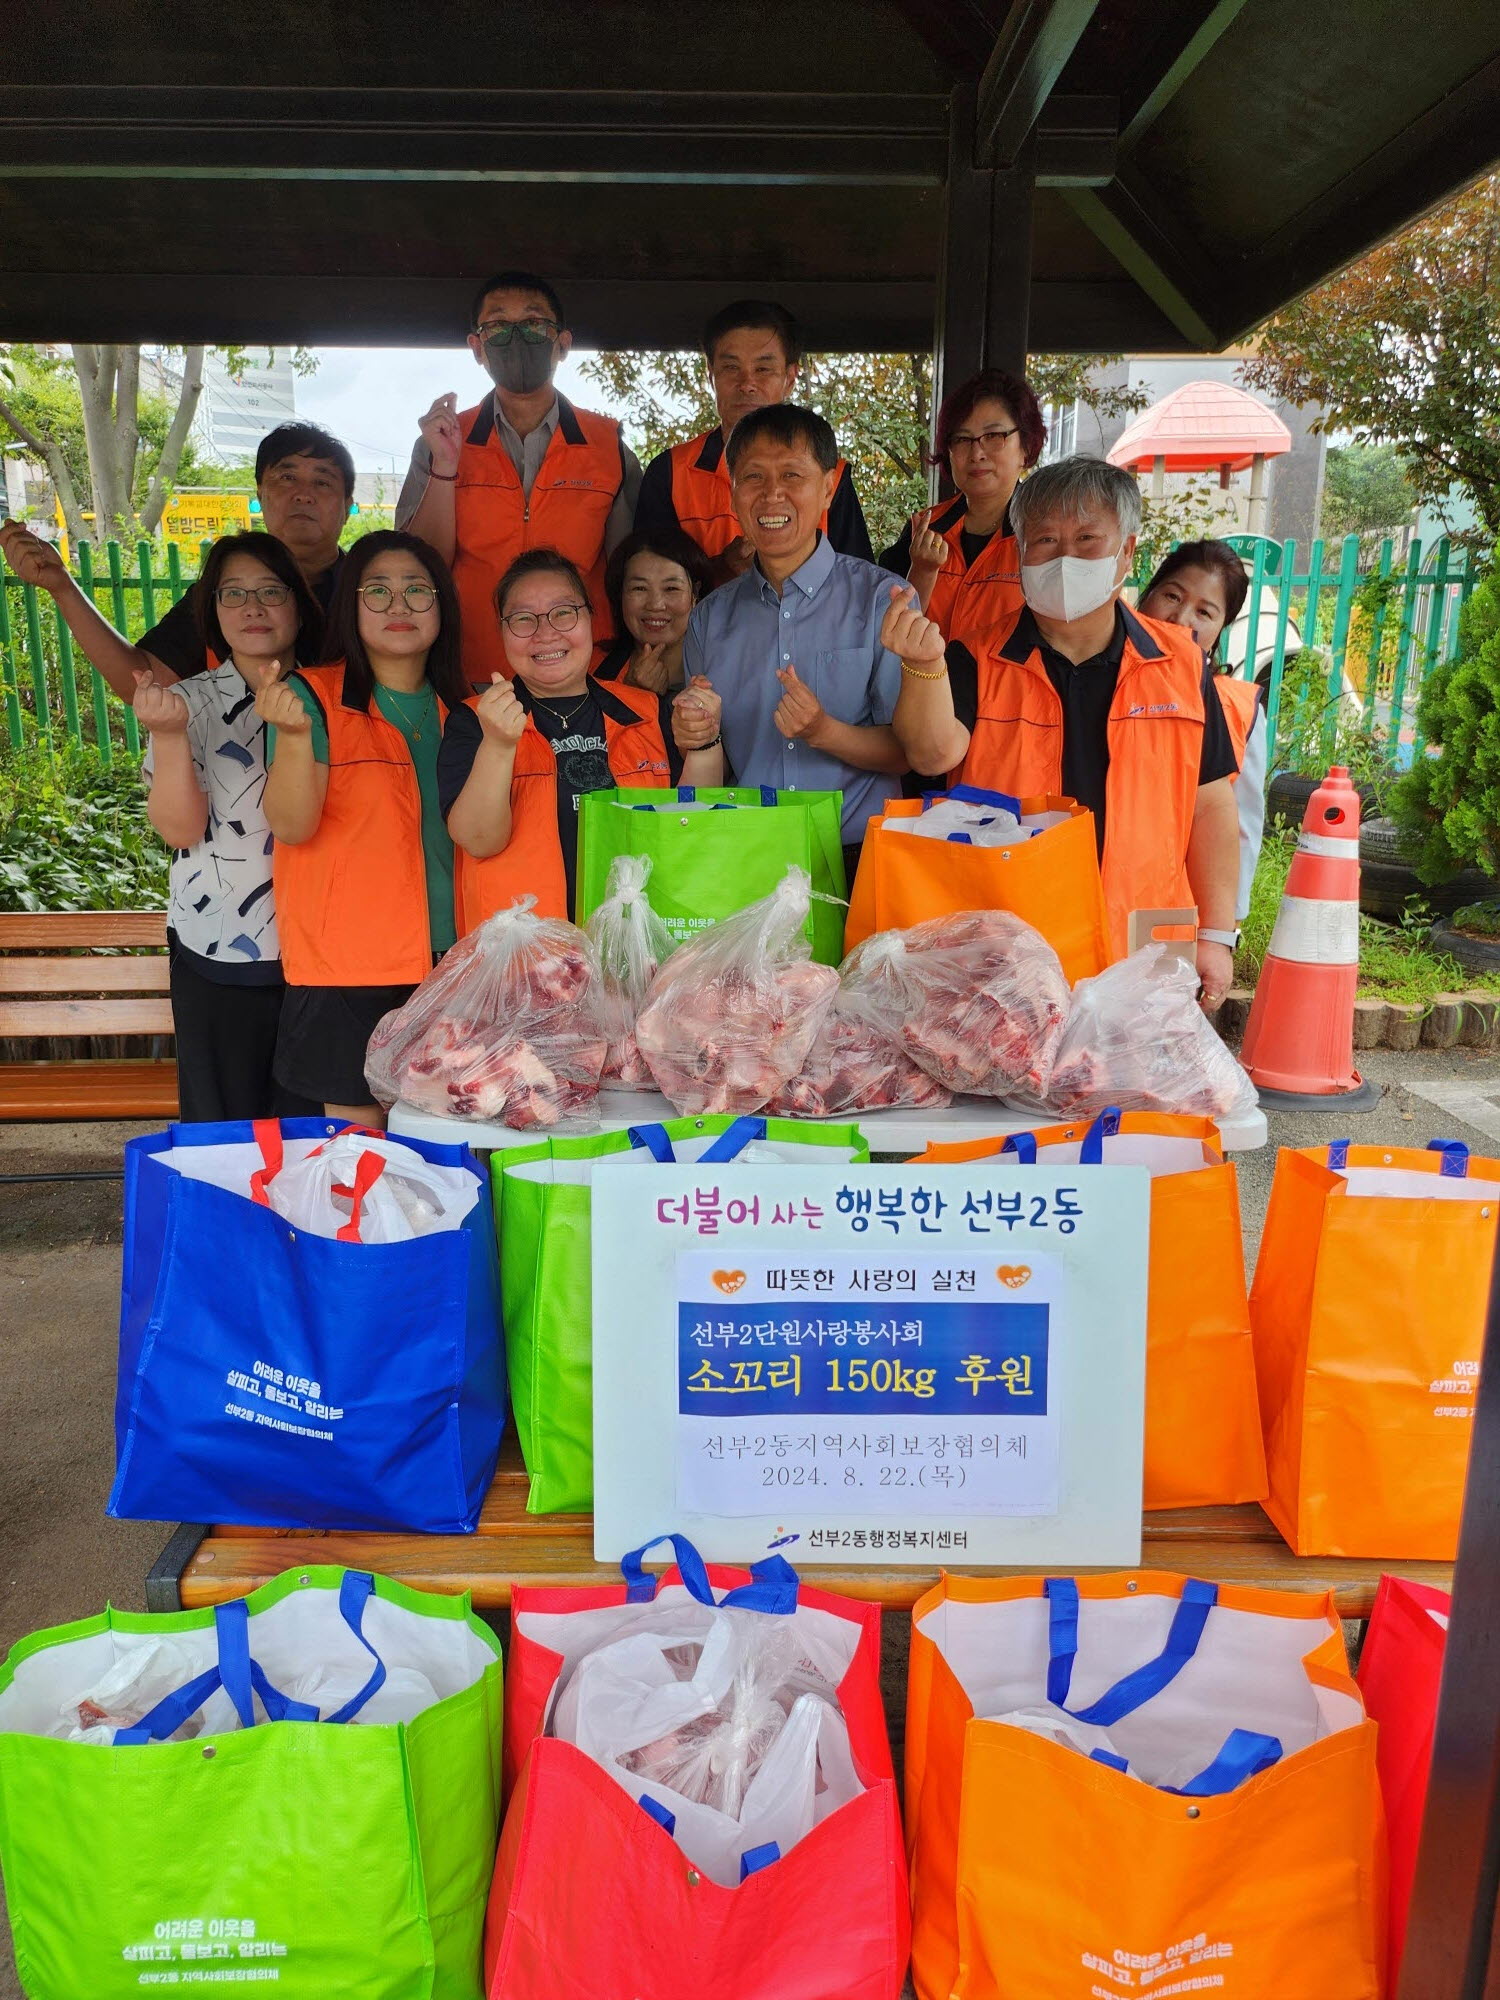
1299	1043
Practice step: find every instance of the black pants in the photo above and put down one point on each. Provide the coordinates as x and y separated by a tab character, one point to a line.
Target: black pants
226	1040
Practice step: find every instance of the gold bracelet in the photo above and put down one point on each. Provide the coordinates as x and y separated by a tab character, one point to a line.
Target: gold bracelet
917	674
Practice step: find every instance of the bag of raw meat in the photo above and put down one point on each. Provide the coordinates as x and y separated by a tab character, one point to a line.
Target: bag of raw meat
732	1014
630	942
986	1002
504	1029
1137	1038
857	1062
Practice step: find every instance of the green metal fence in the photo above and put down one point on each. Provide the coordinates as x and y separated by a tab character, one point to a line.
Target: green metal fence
1382	623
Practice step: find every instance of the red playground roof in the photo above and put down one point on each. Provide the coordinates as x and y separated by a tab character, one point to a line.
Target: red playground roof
1201	427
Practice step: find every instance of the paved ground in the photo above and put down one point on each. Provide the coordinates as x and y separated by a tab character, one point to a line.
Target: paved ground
61	1558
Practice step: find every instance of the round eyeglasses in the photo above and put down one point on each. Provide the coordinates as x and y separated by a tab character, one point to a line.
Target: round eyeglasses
230	596
380	596
562	618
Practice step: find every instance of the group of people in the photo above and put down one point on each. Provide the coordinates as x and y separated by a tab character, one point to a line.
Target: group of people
356	757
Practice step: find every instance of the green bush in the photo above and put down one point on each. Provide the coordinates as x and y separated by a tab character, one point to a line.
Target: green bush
74	833
1448	805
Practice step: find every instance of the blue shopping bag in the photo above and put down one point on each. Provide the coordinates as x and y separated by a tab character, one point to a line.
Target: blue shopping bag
280	1379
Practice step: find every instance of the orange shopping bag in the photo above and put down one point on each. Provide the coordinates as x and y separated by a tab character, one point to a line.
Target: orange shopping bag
1203	1440
1139	1785
1368	1309
1051	880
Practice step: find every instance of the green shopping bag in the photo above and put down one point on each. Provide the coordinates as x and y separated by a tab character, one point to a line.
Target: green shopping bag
543	1210
347	1856
712	852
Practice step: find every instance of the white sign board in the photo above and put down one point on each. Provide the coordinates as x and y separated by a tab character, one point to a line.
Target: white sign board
871	1364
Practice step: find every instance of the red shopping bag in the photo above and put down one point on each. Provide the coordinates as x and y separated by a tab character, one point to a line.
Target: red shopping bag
1400	1670
592	1895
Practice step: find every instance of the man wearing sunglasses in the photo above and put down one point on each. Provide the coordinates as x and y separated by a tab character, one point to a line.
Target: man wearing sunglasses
523	469
304	480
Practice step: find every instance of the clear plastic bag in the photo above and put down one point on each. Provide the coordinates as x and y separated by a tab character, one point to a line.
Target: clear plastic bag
732	1014
729	1729
1137	1038
131	1688
986	1000
857	1061
504	1029
331	1191
631	943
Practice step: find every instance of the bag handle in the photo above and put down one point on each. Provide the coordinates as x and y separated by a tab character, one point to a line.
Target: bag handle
755	1858
1134	1689
371	1166
1023	1146
241	1676
1245	1755
1455	1157
774	1589
266	1133
730	1143
768	795
1105	1126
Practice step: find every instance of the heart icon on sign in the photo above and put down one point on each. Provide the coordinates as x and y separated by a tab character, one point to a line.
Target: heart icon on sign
1014	1275
731	1281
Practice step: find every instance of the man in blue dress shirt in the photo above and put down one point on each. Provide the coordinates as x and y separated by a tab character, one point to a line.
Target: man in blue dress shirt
792	646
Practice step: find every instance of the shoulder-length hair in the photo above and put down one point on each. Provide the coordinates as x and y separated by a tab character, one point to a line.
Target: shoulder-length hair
672	545
343	642
278	560
1221	561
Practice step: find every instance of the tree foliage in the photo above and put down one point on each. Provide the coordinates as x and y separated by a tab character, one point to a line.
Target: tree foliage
1403	349
1449	806
880	406
114	446
1366	490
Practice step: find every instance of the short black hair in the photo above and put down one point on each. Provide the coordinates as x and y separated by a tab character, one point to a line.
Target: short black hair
342	640
304	441
754	313
540	562
672	545
278	560
517	281
784	424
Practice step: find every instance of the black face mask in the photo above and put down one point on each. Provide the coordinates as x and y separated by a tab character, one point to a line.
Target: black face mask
518	365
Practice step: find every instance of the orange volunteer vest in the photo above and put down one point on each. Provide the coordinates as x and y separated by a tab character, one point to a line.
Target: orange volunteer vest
701	496
351	903
971	604
531	863
568	509
1155	748
1240	700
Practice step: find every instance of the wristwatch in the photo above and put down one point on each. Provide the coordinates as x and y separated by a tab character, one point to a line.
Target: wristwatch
1229	938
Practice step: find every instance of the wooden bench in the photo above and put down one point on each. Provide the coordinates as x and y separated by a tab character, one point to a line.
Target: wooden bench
1231	1545
54	981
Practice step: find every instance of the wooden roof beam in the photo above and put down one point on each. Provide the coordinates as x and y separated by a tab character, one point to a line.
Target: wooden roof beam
1171	61
1033	50
1129	222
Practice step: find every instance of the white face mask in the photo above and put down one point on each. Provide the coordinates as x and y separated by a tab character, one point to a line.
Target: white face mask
1069	586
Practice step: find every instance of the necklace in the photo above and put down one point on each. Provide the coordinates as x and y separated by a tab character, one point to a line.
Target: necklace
429	709
562	721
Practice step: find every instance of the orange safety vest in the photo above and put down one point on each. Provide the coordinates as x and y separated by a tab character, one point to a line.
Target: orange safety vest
971	603
531	862
1155	753
568	509
701	495
351	902
1240	699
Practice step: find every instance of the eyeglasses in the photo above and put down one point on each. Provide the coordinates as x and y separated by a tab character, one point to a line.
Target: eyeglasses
562	618
991	440
230	596
503	331
380	596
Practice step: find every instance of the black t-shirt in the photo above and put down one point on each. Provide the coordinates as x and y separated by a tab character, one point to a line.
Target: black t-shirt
897	558
1086	689
174	639
574	726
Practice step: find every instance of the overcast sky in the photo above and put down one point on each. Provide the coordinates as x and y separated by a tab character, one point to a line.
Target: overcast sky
371	397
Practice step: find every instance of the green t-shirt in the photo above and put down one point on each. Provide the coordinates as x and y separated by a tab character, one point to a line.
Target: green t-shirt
409	713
